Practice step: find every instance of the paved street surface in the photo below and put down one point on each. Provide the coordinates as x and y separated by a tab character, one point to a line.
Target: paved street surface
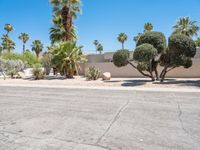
88	119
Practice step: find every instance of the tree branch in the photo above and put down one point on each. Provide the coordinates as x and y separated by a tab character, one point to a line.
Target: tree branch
144	74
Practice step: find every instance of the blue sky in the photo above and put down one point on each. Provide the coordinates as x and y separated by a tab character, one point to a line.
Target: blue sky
101	20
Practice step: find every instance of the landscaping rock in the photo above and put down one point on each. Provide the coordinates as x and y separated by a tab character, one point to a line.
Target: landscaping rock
106	76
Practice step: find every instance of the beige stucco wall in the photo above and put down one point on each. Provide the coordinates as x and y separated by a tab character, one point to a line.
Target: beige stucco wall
129	71
101	62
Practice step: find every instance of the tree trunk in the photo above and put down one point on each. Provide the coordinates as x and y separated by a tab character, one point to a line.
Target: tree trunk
23	48
67	22
122	45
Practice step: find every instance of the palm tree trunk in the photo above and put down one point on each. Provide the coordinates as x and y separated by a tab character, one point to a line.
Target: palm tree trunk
23	48
67	22
122	45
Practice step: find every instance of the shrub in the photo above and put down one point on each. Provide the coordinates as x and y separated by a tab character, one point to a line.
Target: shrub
182	45
157	39
11	67
144	53
121	58
28	58
93	73
46	62
37	72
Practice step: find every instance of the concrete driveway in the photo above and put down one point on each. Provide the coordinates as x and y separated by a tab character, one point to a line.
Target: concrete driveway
89	119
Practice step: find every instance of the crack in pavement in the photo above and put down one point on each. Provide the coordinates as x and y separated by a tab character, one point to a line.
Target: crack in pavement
55	138
182	124
113	121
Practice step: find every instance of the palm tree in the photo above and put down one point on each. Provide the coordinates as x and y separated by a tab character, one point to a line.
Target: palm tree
186	26
197	41
7	43
37	47
57	32
137	37
1	49
67	56
8	28
122	37
68	9
99	47
24	37
148	27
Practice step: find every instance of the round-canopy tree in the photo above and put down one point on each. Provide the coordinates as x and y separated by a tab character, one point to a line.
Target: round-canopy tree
157	39
143	56
181	50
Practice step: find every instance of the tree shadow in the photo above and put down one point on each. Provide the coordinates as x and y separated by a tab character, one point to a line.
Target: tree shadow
191	83
135	82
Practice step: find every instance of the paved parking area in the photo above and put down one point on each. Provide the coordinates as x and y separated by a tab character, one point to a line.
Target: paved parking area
88	119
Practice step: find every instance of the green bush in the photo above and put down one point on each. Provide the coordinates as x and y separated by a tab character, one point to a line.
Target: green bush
37	72
93	73
121	58
28	58
157	39
180	44
144	53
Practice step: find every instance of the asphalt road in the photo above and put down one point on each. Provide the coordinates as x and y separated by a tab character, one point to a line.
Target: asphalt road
86	119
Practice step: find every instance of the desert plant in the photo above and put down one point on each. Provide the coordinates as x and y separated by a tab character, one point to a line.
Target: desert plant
148	27
186	26
197	41
181	50
38	72
28	58
7	43
8	28
46	62
93	73
24	38
68	11
11	67
67	58
122	38
98	46
37	47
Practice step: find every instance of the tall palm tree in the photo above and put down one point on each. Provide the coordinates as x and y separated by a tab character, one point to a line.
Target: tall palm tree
24	37
186	26
7	43
37	47
197	41
137	37
148	27
8	28
68	9
122	37
1	49
99	47
57	32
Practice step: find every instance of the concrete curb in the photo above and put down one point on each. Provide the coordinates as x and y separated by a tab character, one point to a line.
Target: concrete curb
150	89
